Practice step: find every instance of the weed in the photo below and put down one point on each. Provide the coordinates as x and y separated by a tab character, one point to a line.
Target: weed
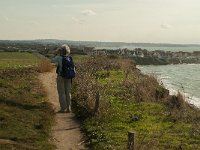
44	66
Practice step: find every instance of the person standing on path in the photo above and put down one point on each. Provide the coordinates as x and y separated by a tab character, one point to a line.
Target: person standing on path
63	84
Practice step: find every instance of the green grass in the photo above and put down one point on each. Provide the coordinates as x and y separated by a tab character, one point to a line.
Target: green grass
17	60
25	115
114	77
152	127
149	128
80	58
156	126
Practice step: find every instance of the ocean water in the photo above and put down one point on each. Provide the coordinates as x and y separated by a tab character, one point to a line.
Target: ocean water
184	78
172	49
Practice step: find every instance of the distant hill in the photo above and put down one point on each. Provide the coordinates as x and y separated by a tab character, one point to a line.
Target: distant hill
97	43
115	44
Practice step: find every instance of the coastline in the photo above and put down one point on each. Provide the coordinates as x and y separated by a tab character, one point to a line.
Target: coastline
173	87
131	101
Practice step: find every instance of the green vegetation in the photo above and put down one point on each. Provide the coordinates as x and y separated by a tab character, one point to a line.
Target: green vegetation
25	115
131	101
17	60
80	58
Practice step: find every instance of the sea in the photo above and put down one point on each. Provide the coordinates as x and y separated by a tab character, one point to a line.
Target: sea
168	48
183	78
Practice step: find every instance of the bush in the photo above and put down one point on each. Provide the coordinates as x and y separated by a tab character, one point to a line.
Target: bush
44	66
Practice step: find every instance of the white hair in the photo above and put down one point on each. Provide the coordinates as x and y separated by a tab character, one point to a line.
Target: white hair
66	48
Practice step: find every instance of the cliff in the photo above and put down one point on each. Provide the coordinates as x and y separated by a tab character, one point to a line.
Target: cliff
128	100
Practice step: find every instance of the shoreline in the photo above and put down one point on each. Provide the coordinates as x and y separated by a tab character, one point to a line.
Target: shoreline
173	90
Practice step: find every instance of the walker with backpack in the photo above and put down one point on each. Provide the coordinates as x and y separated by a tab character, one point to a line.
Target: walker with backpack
68	68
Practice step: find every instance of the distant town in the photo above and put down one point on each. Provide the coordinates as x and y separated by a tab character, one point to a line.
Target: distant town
156	57
139	55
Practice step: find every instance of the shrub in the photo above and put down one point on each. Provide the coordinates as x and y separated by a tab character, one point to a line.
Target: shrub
44	66
180	110
86	85
177	101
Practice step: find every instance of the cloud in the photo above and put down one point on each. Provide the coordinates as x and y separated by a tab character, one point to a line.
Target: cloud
76	20
4	18
165	26
88	12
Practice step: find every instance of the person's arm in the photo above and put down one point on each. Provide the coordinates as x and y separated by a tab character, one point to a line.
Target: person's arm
55	60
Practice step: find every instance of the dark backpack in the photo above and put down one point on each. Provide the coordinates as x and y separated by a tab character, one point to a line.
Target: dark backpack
68	68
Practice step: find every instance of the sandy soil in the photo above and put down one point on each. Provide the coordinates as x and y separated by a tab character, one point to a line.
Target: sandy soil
66	131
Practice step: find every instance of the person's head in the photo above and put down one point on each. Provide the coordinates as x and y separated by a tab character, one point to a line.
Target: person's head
64	50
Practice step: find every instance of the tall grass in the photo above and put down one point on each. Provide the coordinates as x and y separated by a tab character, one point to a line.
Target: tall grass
87	86
44	66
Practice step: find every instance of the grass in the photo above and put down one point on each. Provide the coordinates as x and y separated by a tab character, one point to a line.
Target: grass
44	66
80	58
25	115
17	60
131	101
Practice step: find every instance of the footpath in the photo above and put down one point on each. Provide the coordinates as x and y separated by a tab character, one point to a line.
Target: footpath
66	133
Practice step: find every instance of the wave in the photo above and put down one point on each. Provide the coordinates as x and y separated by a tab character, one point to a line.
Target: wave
175	82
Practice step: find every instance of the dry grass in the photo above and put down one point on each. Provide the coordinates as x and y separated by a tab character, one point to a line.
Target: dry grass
87	86
180	110
44	66
177	102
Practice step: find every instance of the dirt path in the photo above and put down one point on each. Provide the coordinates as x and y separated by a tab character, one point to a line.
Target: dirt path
66	131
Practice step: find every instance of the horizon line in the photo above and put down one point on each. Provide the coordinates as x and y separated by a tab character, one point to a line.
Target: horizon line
100	41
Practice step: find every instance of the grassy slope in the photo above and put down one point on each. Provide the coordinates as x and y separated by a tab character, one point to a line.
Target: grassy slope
17	59
25	116
132	103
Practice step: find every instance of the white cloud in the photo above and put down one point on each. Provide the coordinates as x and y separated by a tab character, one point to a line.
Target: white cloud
76	20
165	26
88	12
4	18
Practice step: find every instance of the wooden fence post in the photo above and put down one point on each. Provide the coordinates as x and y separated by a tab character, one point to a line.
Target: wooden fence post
131	140
96	109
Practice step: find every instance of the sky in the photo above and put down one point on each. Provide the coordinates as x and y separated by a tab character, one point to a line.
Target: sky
149	21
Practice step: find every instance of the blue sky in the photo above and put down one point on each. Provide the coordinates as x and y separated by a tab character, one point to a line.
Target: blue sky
157	21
